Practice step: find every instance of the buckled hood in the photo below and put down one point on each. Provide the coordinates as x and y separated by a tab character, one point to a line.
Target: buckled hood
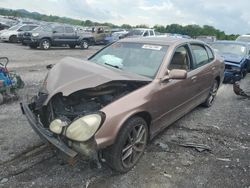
71	75
233	58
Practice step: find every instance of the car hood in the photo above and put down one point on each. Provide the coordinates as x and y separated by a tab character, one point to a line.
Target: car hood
10	33
71	75
233	58
3	31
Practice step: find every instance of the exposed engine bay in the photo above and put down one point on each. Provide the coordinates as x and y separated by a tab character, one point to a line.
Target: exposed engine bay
85	101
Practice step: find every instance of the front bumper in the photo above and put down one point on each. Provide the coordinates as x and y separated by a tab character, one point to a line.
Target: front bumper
231	76
44	133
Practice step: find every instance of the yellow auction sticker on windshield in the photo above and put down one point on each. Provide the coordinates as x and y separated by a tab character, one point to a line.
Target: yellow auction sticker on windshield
151	47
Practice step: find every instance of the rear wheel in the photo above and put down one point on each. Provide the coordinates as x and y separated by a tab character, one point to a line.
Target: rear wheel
45	44
13	39
129	146
212	94
84	44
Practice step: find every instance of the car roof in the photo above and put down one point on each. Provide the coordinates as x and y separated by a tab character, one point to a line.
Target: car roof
230	42
165	40
244	36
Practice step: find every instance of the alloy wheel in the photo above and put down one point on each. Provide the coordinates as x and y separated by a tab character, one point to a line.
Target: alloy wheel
134	145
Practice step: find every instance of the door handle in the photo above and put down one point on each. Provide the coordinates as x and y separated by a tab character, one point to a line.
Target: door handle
193	78
213	68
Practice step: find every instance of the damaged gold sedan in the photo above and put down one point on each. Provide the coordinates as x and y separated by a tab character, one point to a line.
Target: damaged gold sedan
107	108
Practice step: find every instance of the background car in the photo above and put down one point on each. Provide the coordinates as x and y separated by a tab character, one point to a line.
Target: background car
57	35
124	95
243	38
11	34
237	59
141	32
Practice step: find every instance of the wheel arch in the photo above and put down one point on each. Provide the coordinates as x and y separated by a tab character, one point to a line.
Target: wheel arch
48	38
143	114
217	78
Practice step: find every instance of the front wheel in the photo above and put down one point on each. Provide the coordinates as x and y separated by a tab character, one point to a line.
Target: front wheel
84	44
129	145
13	39
212	94
45	44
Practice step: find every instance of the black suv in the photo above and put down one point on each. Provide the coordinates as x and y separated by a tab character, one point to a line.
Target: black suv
57	35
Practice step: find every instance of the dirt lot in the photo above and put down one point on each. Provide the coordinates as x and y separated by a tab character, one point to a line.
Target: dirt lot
225	127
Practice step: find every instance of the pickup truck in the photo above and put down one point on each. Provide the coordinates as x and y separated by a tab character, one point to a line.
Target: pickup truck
57	35
100	33
141	32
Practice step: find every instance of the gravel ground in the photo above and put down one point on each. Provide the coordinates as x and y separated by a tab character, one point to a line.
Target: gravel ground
224	128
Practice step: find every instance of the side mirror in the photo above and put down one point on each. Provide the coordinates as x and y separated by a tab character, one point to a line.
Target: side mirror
54	31
177	74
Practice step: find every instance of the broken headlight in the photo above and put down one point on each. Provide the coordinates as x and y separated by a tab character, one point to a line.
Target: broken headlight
56	126
84	128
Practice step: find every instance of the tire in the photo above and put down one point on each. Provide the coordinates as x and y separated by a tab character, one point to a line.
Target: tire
125	152
212	94
45	44
1	99
13	39
33	46
72	46
84	44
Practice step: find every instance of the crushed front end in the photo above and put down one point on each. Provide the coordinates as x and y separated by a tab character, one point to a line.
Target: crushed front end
62	131
70	122
233	72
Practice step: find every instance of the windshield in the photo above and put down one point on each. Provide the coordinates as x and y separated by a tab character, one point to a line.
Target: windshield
46	28
243	38
135	32
142	59
236	49
14	27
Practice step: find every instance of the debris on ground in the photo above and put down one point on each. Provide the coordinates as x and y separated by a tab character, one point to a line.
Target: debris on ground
224	159
238	91
4	180
167	175
163	146
198	147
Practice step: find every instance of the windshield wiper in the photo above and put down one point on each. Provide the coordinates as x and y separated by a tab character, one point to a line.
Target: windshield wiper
115	66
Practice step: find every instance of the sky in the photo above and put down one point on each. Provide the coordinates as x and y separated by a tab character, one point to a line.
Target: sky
233	17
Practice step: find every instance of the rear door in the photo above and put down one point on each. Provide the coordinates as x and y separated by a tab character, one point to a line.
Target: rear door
70	35
203	69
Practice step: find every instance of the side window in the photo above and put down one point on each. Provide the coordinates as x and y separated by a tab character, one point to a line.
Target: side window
59	29
69	30
210	54
151	33
200	55
32	27
24	28
146	34
181	59
100	30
